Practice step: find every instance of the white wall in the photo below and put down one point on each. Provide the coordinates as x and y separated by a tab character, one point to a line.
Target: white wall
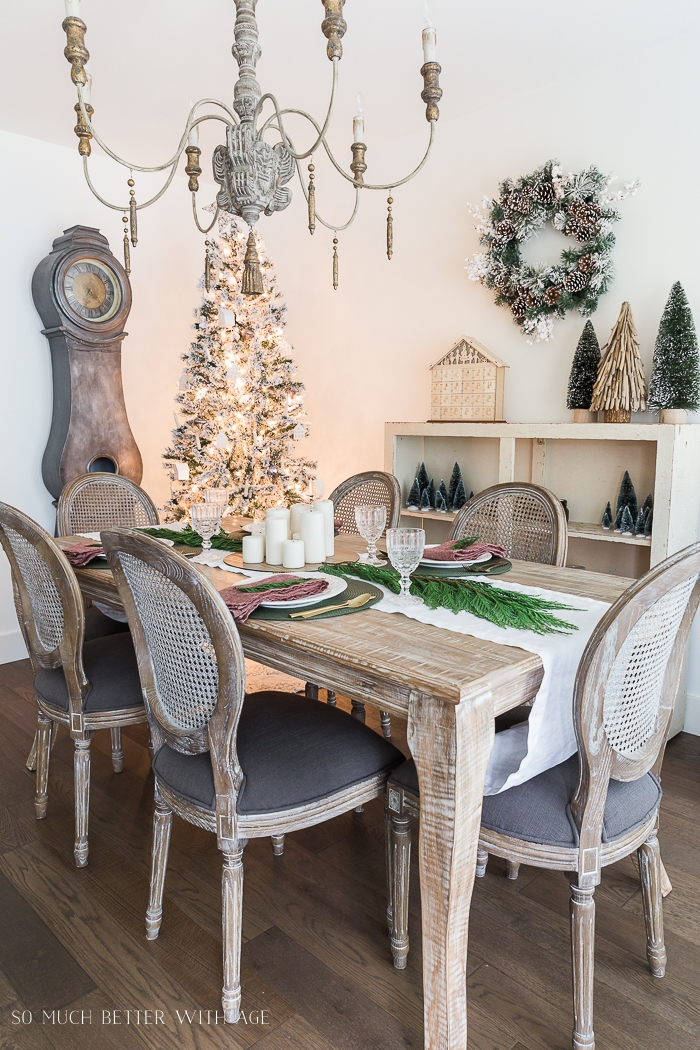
365	350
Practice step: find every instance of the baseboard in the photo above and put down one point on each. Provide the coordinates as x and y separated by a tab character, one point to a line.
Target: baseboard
692	714
12	647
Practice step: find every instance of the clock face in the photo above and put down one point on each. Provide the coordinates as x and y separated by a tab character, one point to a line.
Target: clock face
92	290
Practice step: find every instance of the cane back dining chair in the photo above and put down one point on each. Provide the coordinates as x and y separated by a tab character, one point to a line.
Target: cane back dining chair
241	766
92	502
529	521
85	672
371	488
600	805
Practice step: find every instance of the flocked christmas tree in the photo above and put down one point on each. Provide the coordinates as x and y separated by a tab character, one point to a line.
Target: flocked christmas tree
626	500
675	375
240	399
607	517
584	369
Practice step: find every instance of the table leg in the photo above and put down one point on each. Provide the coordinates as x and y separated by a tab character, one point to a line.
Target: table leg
451	746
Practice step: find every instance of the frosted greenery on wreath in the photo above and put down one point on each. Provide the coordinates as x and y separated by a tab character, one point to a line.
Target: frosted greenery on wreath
578	205
240	399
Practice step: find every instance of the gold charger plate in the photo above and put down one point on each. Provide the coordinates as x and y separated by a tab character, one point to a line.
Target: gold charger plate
236	561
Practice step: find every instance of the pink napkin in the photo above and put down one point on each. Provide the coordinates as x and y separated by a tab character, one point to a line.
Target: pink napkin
83	553
242	602
446	551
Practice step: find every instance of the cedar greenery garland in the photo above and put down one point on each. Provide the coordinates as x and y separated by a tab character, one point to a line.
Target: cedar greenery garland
675	376
577	205
190	538
525	612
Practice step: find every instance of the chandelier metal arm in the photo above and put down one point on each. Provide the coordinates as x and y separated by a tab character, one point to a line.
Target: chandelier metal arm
126	207
183	141
203	229
286	141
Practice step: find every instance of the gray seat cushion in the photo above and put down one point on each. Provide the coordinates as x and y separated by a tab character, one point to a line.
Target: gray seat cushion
111	669
292	751
97	625
539	810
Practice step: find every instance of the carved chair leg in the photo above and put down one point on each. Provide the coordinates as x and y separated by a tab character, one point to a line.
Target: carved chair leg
401	872
389	867
330	697
512	870
81	766
311	691
358	711
117	752
582	912
162	823
649	857
385	719
278	845
482	859
231	910
42	744
31	757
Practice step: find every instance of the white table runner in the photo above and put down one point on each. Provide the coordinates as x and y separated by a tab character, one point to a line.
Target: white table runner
547	738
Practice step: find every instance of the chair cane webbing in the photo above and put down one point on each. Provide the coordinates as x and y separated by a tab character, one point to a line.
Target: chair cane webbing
44	598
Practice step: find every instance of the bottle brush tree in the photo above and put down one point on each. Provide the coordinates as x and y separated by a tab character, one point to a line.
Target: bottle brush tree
675	373
584	369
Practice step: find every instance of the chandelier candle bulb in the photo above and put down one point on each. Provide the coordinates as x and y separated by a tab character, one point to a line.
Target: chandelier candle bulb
193	137
254	549
429	44
313	534
297	510
325	507
293	554
72	8
358	128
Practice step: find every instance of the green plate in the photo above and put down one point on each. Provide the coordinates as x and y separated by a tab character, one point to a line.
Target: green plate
354	588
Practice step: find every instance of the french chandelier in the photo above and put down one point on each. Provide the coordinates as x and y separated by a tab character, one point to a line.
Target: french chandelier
251	172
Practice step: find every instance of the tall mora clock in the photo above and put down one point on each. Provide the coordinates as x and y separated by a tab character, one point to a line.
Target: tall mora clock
83	297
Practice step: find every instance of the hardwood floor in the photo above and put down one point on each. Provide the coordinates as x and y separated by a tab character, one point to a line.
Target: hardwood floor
317	971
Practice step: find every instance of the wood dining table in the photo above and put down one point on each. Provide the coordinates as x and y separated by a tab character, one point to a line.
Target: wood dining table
449	687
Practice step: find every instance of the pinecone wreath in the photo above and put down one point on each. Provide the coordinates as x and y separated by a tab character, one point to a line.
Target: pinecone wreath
577	205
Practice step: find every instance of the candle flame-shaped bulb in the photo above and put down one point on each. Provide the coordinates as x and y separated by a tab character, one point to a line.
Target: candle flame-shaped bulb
358	122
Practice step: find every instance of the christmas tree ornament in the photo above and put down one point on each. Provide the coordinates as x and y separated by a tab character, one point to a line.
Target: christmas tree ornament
674	388
413	501
584	370
620	386
626	522
299	432
460	496
607	516
239	416
580	205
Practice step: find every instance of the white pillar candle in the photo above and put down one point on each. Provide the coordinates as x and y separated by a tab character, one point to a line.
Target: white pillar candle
293	554
254	548
295	516
313	533
72	8
429	44
325	507
279	514
193	137
358	128
276	533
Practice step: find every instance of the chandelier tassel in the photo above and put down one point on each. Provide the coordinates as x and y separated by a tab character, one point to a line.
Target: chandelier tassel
335	263
252	283
132	212
312	200
389	229
127	249
207	267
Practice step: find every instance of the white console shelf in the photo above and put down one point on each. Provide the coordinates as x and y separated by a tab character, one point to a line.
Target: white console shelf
582	463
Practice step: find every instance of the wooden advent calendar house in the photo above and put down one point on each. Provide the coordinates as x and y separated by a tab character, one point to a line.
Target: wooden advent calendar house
467	385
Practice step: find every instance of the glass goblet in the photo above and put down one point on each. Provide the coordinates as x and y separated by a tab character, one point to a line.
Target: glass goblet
405	550
206	520
370	524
